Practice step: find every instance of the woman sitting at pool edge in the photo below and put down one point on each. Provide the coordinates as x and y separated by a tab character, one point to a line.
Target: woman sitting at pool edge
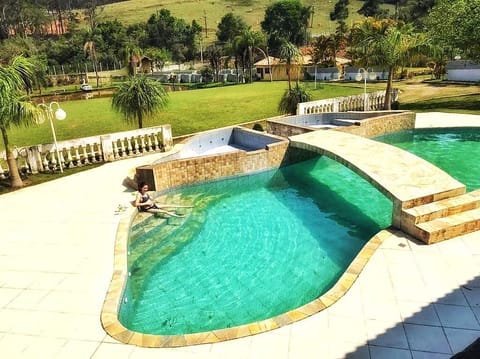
144	203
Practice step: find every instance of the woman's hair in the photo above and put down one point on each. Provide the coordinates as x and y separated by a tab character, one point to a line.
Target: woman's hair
140	185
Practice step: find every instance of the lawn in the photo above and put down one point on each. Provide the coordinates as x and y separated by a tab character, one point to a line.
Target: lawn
469	104
188	111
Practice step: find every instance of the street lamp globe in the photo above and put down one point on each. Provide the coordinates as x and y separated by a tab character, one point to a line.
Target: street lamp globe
60	114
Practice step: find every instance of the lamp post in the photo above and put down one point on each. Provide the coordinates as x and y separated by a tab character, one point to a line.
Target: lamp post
363	74
60	115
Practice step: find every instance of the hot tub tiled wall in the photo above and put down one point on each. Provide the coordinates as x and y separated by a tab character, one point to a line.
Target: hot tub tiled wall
365	124
204	168
382	123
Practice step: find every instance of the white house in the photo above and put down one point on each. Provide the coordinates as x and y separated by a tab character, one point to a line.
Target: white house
463	70
324	73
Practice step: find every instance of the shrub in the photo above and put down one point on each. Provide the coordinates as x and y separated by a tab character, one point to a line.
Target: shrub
291	98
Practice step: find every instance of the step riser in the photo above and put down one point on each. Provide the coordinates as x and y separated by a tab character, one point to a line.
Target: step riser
447	212
450	232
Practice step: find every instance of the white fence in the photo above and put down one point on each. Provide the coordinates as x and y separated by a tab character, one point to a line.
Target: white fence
88	150
374	102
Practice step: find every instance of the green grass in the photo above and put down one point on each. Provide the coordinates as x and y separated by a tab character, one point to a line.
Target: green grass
188	111
469	104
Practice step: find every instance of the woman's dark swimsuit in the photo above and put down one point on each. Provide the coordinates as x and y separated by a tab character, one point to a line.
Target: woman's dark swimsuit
145	198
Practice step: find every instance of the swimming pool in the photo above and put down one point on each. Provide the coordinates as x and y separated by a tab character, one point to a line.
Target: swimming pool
455	150
261	245
254	247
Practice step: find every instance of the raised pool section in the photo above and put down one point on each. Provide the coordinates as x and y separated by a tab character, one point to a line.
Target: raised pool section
215	154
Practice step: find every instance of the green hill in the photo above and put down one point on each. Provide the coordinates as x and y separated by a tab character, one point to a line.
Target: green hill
210	12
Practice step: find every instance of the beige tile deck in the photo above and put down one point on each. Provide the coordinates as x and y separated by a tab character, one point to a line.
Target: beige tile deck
56	262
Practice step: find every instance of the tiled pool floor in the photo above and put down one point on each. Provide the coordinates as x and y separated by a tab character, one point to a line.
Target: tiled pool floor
56	260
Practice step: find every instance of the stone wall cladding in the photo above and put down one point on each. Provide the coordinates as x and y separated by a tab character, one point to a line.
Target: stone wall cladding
182	172
380	125
366	124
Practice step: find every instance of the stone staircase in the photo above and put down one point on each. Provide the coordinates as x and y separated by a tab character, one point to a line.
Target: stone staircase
444	219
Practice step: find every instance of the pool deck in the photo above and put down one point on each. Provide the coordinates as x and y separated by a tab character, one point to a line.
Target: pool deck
56	262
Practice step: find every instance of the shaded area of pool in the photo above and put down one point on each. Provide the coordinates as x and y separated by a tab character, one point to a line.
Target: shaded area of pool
259	246
454	150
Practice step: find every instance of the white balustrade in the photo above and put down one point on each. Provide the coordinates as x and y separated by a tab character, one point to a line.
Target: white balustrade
88	150
374	102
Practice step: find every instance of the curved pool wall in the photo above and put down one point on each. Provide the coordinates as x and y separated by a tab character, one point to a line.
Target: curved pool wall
274	155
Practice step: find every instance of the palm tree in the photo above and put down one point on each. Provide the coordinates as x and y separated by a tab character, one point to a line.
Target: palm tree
389	45
139	98
290	53
246	42
89	49
15	108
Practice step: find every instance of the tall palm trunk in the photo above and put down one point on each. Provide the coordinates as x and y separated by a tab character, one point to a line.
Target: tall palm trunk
387	105
15	179
140	119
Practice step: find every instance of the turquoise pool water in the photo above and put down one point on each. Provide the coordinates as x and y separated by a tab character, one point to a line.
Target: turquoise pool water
258	246
252	248
455	150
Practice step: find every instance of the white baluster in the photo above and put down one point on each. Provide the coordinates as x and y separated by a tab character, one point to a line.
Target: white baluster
61	160
136	147
53	160
85	155
115	150
69	158
142	143
77	158
155	141
92	153
122	144
129	146
45	161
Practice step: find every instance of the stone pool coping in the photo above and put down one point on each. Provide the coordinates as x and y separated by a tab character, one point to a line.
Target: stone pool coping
111	306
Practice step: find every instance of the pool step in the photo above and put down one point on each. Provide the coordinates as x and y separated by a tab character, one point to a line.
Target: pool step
445	219
451	226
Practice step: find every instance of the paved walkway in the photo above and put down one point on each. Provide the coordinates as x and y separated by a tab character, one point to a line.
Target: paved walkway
56	260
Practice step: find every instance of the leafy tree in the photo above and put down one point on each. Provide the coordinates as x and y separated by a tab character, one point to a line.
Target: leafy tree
168	32
139	98
371	8
455	25
15	108
414	11
286	20
158	56
291	98
387	44
22	17
92	13
229	27
340	11
214	54
323	50
112	37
